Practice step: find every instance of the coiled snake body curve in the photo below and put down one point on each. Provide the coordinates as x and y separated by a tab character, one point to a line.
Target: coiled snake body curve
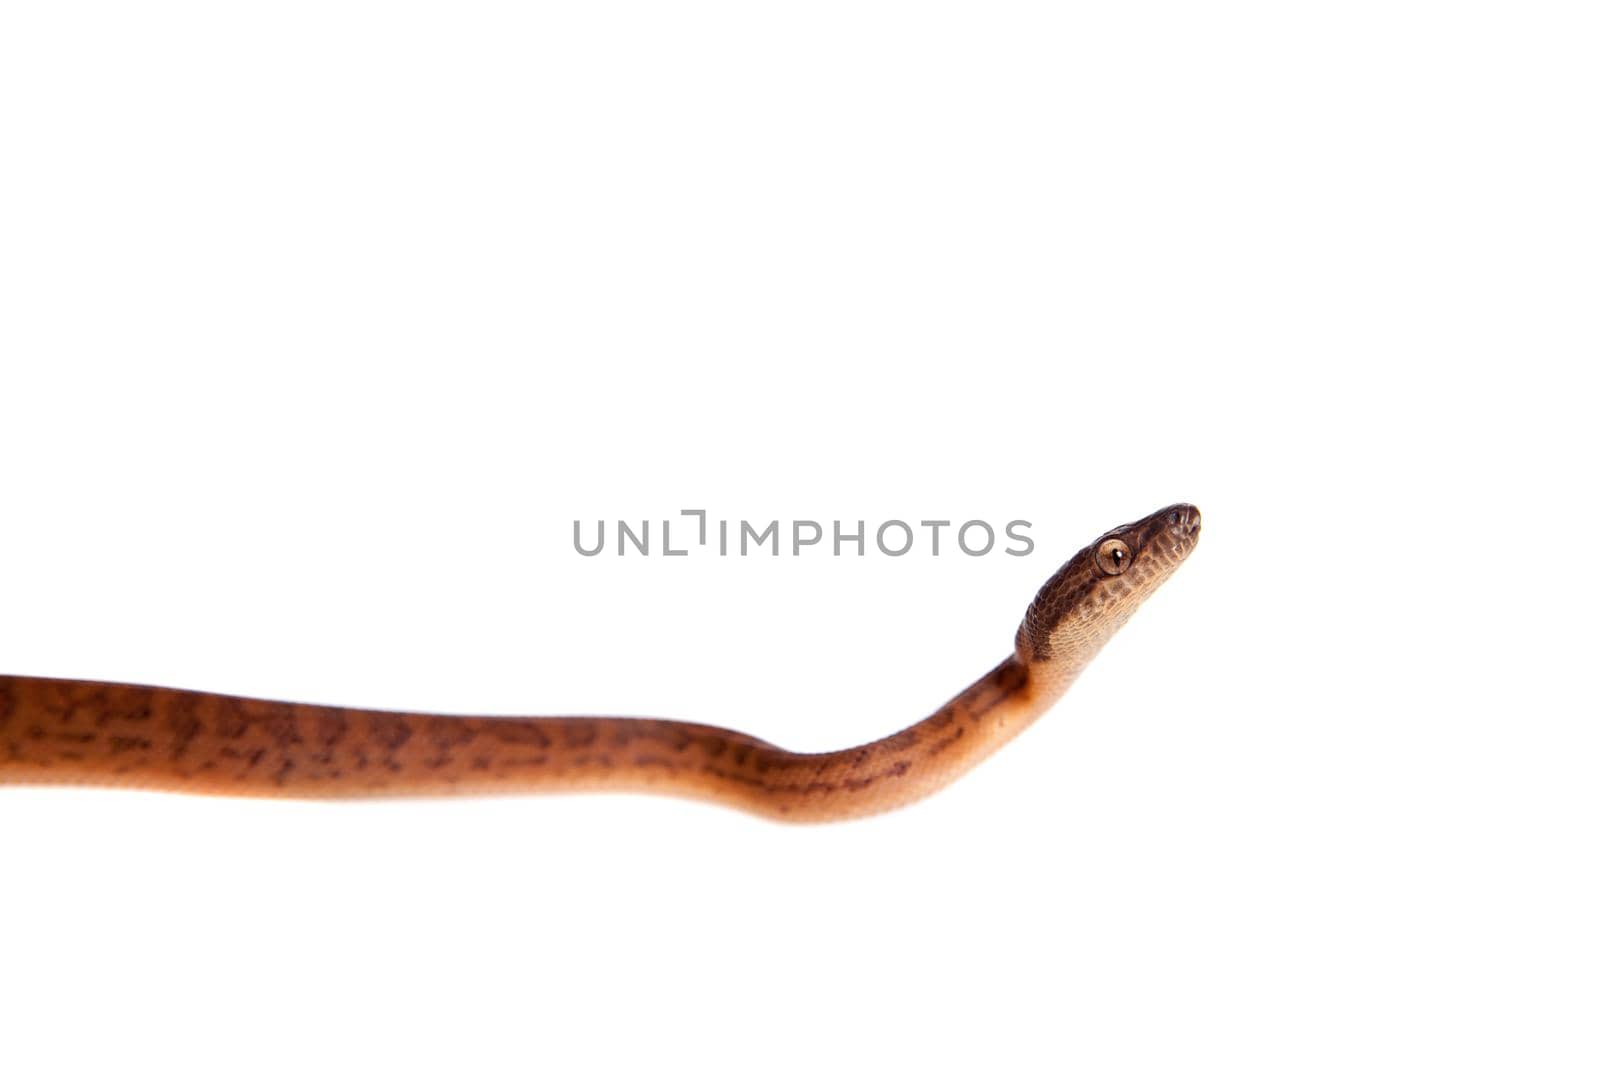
107	734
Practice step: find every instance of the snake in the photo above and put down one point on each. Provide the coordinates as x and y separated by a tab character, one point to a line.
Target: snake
107	734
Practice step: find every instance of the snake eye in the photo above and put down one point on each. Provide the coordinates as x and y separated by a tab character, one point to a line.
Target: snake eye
1113	556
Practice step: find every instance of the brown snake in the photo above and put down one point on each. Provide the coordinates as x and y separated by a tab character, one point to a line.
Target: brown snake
106	734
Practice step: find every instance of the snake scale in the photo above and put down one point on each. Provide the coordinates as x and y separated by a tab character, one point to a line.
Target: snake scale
106	734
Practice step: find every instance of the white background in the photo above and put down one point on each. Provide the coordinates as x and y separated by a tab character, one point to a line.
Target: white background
323	321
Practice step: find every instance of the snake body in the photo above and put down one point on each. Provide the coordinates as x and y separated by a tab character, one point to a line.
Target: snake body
61	732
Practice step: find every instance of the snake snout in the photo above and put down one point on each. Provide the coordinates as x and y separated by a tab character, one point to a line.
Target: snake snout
1185	519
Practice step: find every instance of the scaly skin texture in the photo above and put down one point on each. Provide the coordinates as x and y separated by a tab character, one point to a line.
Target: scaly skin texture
104	734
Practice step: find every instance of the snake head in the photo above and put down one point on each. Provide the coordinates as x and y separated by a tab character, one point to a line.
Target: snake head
1095	592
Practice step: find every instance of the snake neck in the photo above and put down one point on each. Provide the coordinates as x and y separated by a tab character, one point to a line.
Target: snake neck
1053	668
